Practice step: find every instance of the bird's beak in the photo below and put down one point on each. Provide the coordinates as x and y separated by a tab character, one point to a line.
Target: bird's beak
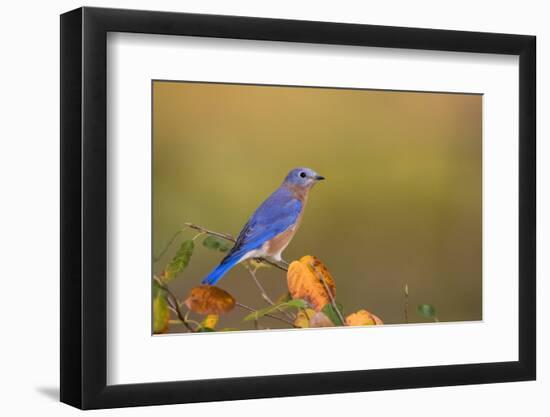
319	177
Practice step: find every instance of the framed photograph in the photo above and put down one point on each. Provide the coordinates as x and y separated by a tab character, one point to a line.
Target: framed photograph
258	207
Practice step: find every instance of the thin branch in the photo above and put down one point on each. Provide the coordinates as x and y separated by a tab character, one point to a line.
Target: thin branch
198	235
260	287
267	315
329	292
172	239
210	232
264	293
282	265
173	301
188	320
406	304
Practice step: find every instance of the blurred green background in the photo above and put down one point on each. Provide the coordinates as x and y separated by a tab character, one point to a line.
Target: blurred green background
401	203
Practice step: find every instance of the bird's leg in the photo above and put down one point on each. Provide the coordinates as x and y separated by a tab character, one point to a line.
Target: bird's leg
276	262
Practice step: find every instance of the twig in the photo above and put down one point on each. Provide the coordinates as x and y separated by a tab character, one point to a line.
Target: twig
210	232
329	292
267	315
282	265
264	293
260	287
198	235
406	303
173	301
161	254
188	320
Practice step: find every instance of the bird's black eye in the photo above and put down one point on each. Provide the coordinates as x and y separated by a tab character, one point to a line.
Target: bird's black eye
302	174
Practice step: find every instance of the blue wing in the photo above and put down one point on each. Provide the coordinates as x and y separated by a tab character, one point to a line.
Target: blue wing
276	214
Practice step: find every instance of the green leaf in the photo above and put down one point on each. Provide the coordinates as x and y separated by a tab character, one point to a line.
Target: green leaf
426	310
180	261
156	288
161	315
230	329
332	314
284	298
205	330
216	243
255	315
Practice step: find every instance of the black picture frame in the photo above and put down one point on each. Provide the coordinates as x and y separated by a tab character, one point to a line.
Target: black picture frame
84	207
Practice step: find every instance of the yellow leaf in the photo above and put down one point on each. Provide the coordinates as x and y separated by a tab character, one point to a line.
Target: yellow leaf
363	318
303	317
210	321
208	299
305	281
161	315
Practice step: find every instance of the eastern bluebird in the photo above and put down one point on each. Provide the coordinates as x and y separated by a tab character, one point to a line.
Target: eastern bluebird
273	225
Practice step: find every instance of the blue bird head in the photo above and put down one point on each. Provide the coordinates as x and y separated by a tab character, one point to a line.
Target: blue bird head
302	177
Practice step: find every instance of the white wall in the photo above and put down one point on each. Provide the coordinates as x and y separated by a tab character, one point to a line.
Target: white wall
29	211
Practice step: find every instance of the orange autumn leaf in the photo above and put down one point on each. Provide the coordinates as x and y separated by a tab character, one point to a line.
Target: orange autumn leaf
305	281
208	299
363	318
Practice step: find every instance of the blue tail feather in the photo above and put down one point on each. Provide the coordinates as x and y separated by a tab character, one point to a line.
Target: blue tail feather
220	270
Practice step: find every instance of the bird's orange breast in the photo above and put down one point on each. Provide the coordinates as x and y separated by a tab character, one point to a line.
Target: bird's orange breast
276	245
280	242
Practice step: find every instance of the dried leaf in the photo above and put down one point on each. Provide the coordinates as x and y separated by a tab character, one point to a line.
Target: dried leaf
180	260
320	319
363	318
209	299
304	278
311	318
161	315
